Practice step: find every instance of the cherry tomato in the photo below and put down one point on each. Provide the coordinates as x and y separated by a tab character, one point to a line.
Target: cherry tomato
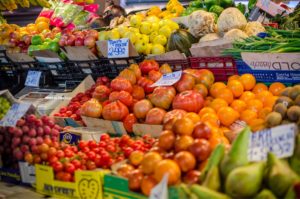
128	151
111	148
104	137
57	166
76	163
67	177
60	154
59	175
92	144
69	153
82	144
102	144
96	150
90	165
117	140
74	149
85	149
51	151
70	168
91	155
52	159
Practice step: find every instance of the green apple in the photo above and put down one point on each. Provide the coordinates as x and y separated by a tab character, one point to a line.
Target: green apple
102	35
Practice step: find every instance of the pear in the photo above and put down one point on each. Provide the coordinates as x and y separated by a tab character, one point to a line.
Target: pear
238	154
245	181
265	194
290	193
212	179
280	176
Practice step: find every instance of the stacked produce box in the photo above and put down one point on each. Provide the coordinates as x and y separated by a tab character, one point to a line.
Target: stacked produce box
194	102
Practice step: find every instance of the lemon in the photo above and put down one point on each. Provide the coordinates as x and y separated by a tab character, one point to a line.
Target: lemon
136	20
160	39
140	46
152	36
131	36
157	49
152	19
148	49
165	30
145	27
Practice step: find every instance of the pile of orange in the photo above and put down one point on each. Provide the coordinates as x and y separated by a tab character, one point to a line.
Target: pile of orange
240	99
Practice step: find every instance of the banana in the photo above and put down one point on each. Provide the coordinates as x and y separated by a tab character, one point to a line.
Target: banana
44	3
33	2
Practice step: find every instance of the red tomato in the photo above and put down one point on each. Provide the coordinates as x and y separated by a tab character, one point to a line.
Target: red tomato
90	165
104	137
111	148
102	144
69	153
128	151
91	155
76	163
60	154
147	65
52	159
115	111
82	144
67	177
190	101
57	166
70	168
92	144
129	121
121	84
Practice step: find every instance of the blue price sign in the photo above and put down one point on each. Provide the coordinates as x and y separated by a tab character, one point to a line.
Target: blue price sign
33	78
278	140
118	48
15	112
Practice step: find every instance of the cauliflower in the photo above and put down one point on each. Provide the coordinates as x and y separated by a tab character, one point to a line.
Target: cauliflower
201	23
209	37
235	34
253	28
231	18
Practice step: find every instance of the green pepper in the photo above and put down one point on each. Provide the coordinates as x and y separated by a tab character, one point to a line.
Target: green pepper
196	4
62	55
216	9
226	3
47	40
251	4
58	35
53	46
241	7
210	3
36	40
190	10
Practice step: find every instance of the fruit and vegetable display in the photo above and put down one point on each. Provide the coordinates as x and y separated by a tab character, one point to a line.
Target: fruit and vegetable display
29	133
4	106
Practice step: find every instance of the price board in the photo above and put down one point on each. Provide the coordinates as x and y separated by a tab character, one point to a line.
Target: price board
33	78
15	112
118	48
168	79
160	191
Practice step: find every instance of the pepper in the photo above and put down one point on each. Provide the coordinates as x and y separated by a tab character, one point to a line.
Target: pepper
36	40
53	46
226	3
241	7
216	9
196	4
210	3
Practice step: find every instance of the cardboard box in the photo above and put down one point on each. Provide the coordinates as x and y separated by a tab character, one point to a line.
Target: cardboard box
46	56
88	184
117	188
78	53
117	128
102	48
87	83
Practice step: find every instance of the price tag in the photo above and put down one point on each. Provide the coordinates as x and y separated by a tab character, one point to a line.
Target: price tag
278	140
118	48
168	79
160	191
15	112
33	78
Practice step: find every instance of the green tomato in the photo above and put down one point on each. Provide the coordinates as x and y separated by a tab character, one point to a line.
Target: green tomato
216	9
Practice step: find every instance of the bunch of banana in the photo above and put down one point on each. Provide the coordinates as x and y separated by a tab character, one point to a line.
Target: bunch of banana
13	4
8	5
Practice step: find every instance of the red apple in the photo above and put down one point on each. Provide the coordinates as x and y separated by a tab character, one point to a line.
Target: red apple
93	33
70	40
89	41
79	41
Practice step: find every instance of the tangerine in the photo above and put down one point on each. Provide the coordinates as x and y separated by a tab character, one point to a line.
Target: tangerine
233	77
255	105
226	94
257	124
193	116
227	115
206	110
207	101
248	81
211	118
216	88
236	87
270	101
170	167
259	88
247	96
262	114
263	96
217	103
248	115
238	105
276	88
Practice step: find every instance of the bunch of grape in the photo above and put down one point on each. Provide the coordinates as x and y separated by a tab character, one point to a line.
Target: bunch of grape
4	106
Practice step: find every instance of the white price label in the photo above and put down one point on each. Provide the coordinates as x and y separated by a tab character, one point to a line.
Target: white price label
168	79
278	140
33	78
118	48
15	112
160	191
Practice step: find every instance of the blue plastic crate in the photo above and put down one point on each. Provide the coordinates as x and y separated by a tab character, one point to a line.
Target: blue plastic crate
283	76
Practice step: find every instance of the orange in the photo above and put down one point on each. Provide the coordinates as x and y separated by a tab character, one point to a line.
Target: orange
215	131
214	141
31	28
263	96
259	88
276	88
248	115
227	115
226	95
216	88
211	119
206	110
149	162
247	96
193	116
248	81
170	167
207	101
238	105
201	88
255	105
270	101
233	77
42	19
257	124
41	26
217	103
236	87
262	114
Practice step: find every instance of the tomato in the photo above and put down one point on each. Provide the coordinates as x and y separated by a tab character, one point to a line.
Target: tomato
29	158
166	140
43	148
183	126
92	144
91	165
57	166
104	137
128	151
146	83
150	161
76	163
124	170
70	168
138	92
122	96
74	149
148	183
155	116
68	153
135	180
82	144
186	82
67	177
101	93
129	75
111	148
129	121
185	160
176	114
162	97
60	154
147	65
91	155
102	144
170	167
91	108
59	175
121	84
141	108
190	101
115	111
136	157
154	75
85	149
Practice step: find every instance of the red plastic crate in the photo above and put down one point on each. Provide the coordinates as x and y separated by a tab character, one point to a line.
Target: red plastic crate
176	65
222	67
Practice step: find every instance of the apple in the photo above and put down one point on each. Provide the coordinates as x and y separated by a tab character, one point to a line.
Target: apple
200	149
79	41
56	30
70	40
90	41
202	130
93	33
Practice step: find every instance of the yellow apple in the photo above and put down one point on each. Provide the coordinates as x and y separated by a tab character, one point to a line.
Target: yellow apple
152	36
160	39
148	49
157	49
165	30
145	27
131	36
140	46
136	21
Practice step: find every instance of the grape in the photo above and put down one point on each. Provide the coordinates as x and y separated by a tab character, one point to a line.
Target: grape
4	106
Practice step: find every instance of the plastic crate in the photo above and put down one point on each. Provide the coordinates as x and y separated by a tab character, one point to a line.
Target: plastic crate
221	67
80	69
176	65
114	66
269	76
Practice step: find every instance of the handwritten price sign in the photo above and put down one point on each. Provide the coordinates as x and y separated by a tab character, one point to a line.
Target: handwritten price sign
33	78
160	191
15	112
168	79
279	140
118	48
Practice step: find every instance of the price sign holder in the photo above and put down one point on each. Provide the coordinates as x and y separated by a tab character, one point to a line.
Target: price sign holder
160	191
278	140
118	48
168	79
33	78
15	112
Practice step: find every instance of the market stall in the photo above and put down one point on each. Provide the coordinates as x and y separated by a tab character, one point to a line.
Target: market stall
192	100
